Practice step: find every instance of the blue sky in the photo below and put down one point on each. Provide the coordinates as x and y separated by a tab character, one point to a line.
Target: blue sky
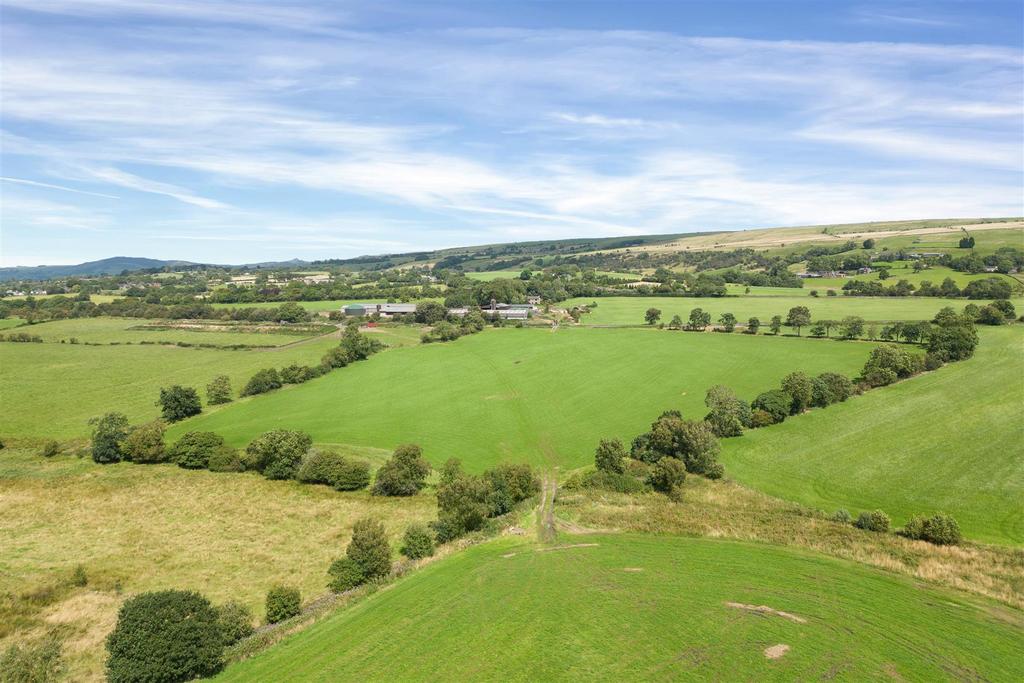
246	131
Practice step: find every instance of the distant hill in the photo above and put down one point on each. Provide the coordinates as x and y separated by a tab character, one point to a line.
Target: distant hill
107	266
116	265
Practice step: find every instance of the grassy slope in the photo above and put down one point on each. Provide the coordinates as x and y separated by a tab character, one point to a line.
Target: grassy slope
950	440
150	527
525	394
577	614
630	310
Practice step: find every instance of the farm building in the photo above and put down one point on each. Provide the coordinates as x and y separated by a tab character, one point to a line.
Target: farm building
381	309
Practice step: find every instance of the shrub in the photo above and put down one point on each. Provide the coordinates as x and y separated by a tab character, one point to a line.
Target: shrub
729	415
404	474
608	481
145	443
932	361
506	485
842	516
178	402
335	358
667	474
194	450
954	341
79	577
225	459
283	602
761	418
879	377
610	456
345	575
940	529
319	467
39	662
234	621
219	390
165	636
891	357
263	381
108	434
875	520
369	548
776	403
50	449
839	387
417	542
353	475
277	454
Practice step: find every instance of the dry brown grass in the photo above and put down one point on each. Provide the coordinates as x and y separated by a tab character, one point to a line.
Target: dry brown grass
728	510
138	528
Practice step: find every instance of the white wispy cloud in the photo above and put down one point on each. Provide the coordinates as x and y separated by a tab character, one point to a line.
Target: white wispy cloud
51	186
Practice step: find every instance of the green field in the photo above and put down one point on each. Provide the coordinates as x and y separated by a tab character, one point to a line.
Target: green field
132	330
526	394
489	275
951	440
630	310
315	306
8	323
902	270
650	608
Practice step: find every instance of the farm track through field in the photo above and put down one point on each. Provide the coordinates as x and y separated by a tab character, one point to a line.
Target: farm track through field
335	334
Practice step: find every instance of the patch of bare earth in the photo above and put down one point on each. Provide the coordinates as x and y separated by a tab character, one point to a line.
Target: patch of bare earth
765	609
776	651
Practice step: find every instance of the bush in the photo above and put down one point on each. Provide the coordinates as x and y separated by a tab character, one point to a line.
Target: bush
506	485
417	542
369	548
842	516
283	602
178	402
610	456
940	529
608	481
109	433
404	474
354	475
776	403
225	459
165	636
320	467
50	449
234	621
761	418
345	575
263	381
891	357
39	662
219	390
277	454
879	377
873	521
829	388
667	474
194	450
145	443
932	361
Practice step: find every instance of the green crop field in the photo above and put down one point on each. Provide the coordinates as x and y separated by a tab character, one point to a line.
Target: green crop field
630	310
950	440
624	607
133	331
526	394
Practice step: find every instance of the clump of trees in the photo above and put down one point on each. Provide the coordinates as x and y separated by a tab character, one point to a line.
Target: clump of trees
404	474
263	381
145	443
417	542
108	435
691	441
335	470
367	557
218	391
277	454
466	501
450	330
875	520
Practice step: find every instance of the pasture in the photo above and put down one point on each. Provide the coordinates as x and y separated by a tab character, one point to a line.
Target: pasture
150	527
526	394
626	607
901	270
630	310
949	441
134	331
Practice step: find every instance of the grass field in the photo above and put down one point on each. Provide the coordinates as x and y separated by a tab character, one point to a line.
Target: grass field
489	275
149	527
902	270
131	330
526	394
948	441
630	310
329	305
624	607
8	323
